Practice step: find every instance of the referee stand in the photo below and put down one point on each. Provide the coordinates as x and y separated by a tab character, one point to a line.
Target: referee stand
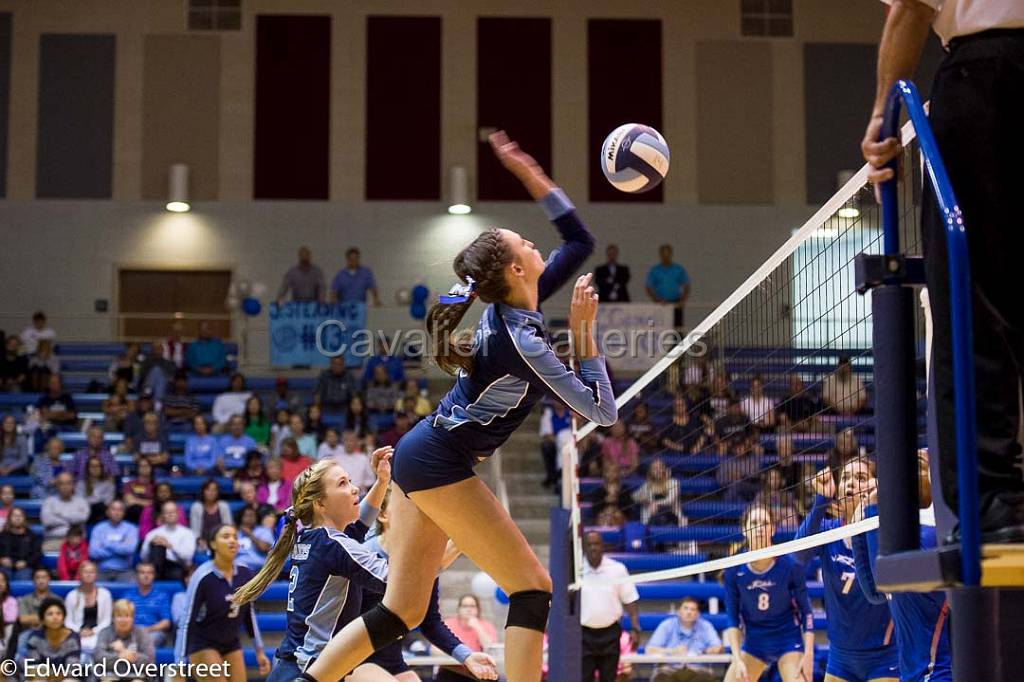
986	624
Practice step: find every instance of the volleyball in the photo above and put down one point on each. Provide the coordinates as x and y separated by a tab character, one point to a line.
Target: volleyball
634	158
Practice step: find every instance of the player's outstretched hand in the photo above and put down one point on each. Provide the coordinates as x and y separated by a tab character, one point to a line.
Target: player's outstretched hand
482	666
739	670
263	662
824	484
380	462
582	313
511	156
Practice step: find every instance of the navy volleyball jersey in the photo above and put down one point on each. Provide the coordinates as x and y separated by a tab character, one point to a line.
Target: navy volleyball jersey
854	623
513	363
922	619
769	604
211	620
329	572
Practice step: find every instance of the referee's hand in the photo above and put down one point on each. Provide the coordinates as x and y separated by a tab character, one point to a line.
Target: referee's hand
879	152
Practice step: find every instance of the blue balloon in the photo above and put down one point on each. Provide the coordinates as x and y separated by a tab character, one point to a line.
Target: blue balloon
418	311
500	596
251	306
419	293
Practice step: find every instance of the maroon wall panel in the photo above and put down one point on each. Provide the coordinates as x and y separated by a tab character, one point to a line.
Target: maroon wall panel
513	93
624	86
293	107
403	108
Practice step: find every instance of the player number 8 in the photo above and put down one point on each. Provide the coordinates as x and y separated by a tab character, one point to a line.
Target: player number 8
762	601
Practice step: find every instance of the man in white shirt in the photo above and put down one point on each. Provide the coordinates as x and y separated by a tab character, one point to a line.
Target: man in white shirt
61	511
976	109
31	335
759	407
601	610
170	546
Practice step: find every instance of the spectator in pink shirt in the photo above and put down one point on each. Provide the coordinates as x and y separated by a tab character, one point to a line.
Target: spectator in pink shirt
468	626
620	450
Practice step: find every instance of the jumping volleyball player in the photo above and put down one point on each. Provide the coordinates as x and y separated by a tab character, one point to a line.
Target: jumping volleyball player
329	565
922	619
861	645
501	375
768	599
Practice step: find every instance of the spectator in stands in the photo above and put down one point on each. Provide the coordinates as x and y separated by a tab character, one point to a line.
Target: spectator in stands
28	604
283	398
609	495
56	405
555	432
669	283
202	450
403	422
658	497
305	280
392	363
31	336
170	546
293	462
358	419
733	423
843	391
95	448
619	450
779	499
739	470
684	434
590	454
13	448
174	346
335	387
254	540
719	395
21	550
275	490
112	544
207	355
98	489
61	511
253	471
799	409
125	365
152	443
125	640
642	430
475	632
355	461
180	407
152	606
787	466
420	406
46	467
352	282
90	608
846	449
381	394
235	445
601	610
6	503
73	552
133	420
758	407
232	402
150	518
13	366
8	614
157	372
611	278
208	512
685	634
248	493
41	366
53	641
138	492
305	442
116	406
331	447
257	425
314	423
279	431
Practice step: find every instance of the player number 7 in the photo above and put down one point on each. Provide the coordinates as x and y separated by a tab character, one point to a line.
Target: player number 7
848	579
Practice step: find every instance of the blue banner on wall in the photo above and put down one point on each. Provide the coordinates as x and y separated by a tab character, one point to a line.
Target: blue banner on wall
311	333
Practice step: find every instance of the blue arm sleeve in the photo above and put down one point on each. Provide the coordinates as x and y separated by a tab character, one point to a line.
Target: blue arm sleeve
812	525
577	244
732	599
438	634
798	588
257	636
865	551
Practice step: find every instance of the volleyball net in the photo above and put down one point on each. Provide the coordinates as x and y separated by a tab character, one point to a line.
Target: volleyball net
763	404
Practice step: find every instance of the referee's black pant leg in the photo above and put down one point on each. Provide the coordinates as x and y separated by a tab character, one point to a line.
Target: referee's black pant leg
975	114
601	653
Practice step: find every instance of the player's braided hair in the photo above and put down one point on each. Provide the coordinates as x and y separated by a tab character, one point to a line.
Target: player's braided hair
307	489
484	260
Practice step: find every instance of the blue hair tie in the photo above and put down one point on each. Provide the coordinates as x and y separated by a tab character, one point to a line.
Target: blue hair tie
291	515
459	293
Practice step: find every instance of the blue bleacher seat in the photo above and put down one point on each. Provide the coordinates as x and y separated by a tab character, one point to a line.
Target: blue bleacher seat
643	562
650	621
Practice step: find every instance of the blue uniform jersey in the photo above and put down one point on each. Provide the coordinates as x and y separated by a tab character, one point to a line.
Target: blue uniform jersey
514	365
854	623
210	619
770	604
922	620
433	628
330	570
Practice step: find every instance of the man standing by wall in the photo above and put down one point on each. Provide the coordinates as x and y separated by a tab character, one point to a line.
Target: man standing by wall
601	611
612	278
354	281
669	283
304	280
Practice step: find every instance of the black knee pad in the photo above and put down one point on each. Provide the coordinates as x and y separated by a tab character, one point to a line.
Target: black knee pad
383	626
529	609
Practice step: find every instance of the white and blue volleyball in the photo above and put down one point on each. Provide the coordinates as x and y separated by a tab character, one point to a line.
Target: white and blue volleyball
634	158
